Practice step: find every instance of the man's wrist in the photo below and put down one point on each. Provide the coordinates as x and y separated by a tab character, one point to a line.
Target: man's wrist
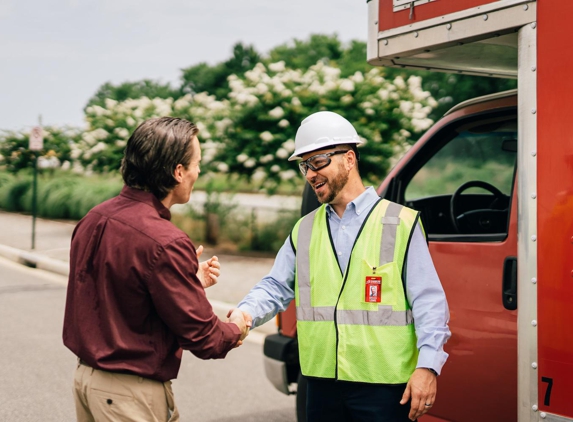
433	371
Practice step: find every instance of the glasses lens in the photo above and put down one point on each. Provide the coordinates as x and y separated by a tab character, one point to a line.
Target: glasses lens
319	161
303	167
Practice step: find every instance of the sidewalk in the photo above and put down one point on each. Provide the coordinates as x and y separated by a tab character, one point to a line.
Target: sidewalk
51	253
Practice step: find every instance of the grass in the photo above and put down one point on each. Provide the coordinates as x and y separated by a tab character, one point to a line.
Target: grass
234	183
64	195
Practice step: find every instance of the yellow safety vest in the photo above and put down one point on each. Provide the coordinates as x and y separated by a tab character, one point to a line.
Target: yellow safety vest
343	332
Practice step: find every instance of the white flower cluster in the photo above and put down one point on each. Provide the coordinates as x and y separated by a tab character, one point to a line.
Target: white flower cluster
252	130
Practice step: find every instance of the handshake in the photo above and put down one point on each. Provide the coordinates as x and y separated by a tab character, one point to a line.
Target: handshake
242	320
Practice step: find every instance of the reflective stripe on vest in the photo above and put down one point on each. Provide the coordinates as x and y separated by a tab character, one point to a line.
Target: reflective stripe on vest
384	315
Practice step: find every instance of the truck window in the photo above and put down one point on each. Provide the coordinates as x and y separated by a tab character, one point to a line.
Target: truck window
465	186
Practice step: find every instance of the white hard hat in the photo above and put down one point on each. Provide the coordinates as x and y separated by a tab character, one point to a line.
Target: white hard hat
321	130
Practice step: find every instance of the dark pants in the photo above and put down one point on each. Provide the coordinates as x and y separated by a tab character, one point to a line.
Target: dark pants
342	401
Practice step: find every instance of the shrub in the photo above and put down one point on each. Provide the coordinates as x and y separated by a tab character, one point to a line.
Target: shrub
13	191
65	195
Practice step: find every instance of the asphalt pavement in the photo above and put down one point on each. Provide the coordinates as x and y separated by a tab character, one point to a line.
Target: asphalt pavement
37	369
239	273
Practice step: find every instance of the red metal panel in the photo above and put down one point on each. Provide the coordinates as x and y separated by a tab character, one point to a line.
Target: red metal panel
555	205
287	322
483	346
388	19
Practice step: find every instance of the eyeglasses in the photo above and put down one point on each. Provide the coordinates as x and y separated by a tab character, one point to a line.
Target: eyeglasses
318	161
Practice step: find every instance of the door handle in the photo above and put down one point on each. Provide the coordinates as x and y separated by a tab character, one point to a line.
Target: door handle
509	283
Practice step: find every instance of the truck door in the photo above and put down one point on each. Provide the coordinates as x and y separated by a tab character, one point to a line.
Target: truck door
462	179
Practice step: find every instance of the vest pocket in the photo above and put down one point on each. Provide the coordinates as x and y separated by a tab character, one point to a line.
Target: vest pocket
383	278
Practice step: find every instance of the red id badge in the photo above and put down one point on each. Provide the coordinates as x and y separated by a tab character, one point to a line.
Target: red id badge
373	289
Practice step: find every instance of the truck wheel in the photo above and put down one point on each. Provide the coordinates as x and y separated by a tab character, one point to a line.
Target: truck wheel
301	398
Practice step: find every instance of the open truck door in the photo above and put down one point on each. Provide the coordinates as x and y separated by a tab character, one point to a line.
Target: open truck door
461	177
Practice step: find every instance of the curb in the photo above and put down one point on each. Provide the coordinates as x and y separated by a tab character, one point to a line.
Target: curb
34	260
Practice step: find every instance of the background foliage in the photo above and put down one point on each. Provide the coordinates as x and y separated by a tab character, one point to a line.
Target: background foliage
248	108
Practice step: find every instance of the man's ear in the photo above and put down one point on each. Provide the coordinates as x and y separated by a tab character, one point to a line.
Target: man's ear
177	173
351	159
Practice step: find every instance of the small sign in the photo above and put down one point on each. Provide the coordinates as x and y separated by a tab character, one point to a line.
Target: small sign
36	139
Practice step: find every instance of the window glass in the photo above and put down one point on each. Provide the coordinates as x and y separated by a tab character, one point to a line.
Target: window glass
486	153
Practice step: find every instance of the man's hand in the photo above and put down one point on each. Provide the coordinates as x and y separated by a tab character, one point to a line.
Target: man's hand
209	270
238	318
421	388
243	320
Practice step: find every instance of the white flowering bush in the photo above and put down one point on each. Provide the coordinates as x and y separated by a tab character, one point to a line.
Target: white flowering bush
251	132
101	145
57	151
268	104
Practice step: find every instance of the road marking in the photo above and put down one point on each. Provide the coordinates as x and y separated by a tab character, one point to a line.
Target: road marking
55	278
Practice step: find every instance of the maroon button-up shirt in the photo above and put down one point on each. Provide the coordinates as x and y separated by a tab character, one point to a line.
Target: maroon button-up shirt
134	300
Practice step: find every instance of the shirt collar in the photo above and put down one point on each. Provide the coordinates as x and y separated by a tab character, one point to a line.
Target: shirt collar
146	198
362	202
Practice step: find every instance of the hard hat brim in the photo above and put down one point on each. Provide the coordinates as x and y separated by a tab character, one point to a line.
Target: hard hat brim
324	144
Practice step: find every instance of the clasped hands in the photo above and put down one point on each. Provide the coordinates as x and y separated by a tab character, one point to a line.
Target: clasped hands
242	320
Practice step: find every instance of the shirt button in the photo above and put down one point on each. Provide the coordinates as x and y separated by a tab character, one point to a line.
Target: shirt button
343	227
358	212
339	253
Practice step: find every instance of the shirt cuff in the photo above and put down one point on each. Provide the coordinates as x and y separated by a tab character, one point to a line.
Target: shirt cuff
431	358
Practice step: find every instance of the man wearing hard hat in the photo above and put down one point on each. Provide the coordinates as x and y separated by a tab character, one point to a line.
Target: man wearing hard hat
371	312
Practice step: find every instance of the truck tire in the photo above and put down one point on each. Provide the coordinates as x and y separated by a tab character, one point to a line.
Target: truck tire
301	398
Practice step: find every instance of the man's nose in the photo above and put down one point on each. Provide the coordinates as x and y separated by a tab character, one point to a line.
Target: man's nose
310	174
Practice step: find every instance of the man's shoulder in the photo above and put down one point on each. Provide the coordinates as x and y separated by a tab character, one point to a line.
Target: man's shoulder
139	219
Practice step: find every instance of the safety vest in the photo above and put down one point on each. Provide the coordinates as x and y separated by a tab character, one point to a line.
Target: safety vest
346	331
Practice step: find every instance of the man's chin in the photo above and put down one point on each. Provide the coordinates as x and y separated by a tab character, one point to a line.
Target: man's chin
323	197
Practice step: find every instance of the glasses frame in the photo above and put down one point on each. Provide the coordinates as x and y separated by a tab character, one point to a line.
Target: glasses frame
305	164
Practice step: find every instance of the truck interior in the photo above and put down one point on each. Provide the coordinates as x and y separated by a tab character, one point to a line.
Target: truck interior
462	180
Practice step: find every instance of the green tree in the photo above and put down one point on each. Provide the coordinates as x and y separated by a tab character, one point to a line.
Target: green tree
132	90
353	59
213	79
451	89
302	54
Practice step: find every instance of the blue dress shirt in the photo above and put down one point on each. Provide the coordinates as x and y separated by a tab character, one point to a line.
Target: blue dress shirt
423	288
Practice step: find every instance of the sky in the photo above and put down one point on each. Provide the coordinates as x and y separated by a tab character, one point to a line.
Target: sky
55	54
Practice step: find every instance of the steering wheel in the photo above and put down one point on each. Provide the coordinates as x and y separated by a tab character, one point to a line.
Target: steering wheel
480	220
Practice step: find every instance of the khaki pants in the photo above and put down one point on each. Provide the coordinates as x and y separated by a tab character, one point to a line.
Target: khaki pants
108	396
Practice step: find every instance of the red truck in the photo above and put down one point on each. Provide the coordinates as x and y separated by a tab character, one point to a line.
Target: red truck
493	180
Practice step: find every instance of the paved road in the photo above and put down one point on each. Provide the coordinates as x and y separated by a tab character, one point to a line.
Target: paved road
36	368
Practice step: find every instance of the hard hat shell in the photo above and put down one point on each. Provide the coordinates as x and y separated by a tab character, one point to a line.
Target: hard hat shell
321	130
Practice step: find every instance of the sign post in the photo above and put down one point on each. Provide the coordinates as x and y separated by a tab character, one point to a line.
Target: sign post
36	144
